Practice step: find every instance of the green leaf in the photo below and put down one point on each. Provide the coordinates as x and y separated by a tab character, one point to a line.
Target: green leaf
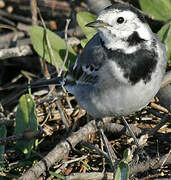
122	172
26	120
84	18
84	42
165	37
58	46
57	175
127	155
160	9
86	166
3	133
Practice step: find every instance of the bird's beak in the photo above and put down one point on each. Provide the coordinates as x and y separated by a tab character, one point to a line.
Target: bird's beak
97	24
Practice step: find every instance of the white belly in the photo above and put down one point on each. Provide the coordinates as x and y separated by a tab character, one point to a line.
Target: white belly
119	99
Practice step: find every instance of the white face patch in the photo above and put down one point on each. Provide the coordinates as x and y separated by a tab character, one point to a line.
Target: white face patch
110	17
124	29
116	43
144	32
115	37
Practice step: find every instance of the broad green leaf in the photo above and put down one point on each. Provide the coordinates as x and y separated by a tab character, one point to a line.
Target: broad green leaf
165	37
58	46
26	120
160	9
84	18
122	172
3	133
84	42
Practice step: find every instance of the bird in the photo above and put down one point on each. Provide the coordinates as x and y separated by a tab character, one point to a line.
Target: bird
121	68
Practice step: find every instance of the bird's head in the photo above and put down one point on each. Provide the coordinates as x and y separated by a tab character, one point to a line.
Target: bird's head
122	22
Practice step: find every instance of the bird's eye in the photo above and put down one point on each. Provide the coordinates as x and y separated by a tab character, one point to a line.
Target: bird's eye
120	20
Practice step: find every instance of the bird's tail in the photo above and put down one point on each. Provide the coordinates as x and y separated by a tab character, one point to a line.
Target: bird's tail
58	81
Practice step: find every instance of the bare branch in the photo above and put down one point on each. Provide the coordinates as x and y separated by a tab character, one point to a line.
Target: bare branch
15	52
33	5
60	151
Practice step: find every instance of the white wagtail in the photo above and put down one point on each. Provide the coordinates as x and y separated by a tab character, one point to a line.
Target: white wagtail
121	68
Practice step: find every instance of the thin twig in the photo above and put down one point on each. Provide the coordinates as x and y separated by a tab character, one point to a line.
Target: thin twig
166	80
16	17
66	43
7	122
114	128
8	27
167	157
159	125
96	149
62	113
5	20
63	165
5	40
33	5
26	135
48	42
159	107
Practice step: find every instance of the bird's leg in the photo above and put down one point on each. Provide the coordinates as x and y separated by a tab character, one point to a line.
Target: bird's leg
131	132
140	149
105	141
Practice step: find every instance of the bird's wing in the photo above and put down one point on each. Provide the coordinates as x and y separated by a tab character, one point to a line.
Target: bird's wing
83	74
88	64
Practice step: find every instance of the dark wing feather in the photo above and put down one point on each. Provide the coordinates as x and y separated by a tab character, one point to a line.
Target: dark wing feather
85	71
